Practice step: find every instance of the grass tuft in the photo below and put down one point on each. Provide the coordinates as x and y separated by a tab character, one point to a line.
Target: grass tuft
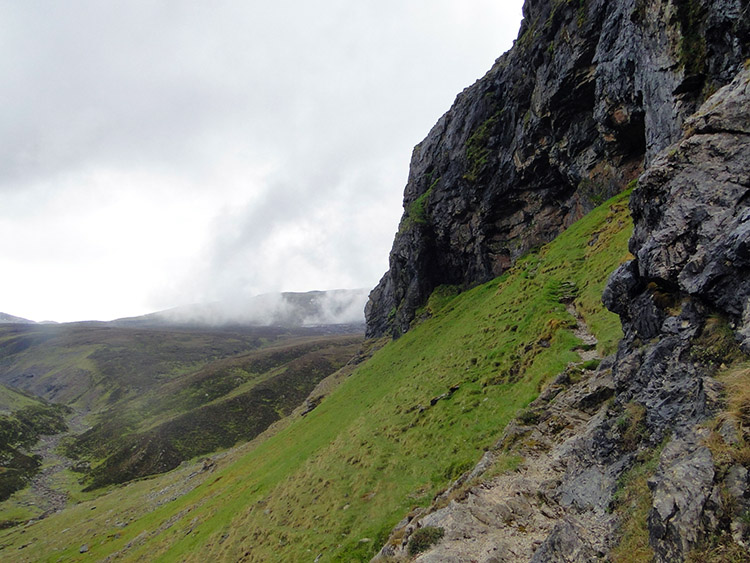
424	538
632	504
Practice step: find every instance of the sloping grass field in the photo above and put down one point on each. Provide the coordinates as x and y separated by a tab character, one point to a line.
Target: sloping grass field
229	401
407	421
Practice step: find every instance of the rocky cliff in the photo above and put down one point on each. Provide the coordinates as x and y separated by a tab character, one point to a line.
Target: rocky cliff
590	93
685	306
647	458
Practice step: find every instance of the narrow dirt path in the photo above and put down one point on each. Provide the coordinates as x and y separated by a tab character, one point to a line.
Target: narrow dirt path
588	352
506	517
44	492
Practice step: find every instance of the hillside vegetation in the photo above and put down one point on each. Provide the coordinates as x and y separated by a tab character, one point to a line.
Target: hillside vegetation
13	399
135	401
23	420
133	379
90	366
409	420
228	401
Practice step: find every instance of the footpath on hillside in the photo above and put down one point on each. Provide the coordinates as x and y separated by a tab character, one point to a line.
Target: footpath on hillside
507	516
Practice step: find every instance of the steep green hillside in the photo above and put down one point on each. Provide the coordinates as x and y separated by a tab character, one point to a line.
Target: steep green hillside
396	432
226	402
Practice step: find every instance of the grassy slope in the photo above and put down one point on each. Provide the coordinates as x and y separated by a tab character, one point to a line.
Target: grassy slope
392	435
13	400
227	402
163	395
91	365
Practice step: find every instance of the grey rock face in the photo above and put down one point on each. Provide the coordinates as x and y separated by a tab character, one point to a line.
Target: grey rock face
691	214
691	211
564	545
586	100
681	488
565	119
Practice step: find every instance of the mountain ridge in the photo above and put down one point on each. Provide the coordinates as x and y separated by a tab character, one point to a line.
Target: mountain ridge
290	309
5	318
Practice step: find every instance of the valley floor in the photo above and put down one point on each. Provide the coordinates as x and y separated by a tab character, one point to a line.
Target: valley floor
47	491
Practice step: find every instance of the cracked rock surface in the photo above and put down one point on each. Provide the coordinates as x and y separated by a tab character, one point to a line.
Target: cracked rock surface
588	96
692	218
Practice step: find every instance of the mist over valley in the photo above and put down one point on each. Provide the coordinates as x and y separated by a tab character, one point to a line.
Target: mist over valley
554	365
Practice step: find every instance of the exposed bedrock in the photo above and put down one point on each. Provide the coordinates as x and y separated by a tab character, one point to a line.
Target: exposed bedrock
588	95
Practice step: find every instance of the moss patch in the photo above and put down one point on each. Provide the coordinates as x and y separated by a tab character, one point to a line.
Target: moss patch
692	15
423	538
477	149
416	212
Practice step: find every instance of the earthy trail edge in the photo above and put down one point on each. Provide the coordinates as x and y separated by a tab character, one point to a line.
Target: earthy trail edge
506	517
582	332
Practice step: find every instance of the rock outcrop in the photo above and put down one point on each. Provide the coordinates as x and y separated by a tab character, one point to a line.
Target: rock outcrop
684	303
588	95
593	96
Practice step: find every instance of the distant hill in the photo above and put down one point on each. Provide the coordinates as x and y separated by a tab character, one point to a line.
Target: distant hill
156	396
312	308
5	318
15	399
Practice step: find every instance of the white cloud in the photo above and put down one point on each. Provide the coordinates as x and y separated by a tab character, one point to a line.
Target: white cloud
154	153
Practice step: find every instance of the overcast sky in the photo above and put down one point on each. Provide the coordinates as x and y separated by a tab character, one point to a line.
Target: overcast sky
155	153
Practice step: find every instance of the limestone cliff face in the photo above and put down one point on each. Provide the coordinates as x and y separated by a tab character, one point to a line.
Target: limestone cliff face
691	274
588	95
672	404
